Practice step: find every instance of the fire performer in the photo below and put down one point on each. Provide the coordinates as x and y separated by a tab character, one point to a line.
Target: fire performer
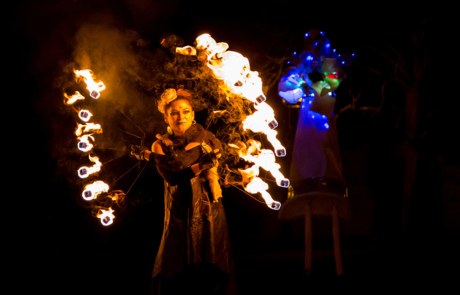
194	255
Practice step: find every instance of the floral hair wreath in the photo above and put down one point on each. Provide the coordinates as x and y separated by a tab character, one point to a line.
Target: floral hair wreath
170	94
166	97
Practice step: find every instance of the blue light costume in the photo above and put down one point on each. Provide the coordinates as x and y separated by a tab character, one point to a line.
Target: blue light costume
316	168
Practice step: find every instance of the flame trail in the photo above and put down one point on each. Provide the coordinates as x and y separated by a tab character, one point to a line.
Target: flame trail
93	87
92	190
84	171
73	98
84	133
106	216
88	128
234	70
84	145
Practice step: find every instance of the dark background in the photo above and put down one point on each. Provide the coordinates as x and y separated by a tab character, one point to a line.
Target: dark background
392	243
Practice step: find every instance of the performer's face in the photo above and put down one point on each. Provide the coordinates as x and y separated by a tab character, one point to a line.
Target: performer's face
179	116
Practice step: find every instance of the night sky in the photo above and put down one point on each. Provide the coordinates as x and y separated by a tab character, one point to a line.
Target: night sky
60	248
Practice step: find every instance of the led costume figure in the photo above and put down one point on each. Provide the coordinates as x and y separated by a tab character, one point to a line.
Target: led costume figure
194	254
316	168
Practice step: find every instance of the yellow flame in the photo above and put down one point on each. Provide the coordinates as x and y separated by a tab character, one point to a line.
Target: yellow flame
84	145
73	98
84	171
88	128
92	190
93	87
106	216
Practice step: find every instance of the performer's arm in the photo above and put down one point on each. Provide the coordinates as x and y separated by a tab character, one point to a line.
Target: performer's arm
166	164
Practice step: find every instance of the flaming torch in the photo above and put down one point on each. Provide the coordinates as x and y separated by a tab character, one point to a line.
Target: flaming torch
106	216
84	115
234	70
84	171
257	185
73	98
93	87
261	158
92	190
84	145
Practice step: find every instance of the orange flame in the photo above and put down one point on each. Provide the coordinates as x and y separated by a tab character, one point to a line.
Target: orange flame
187	50
93	87
73	98
106	216
88	128
84	171
92	190
263	158
234	69
257	185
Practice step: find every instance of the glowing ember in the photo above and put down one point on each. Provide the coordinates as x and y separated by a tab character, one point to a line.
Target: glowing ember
84	171
93	87
72	99
106	216
92	190
88	128
84	115
84	145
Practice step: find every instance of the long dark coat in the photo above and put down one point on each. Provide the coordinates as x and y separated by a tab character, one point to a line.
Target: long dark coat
195	228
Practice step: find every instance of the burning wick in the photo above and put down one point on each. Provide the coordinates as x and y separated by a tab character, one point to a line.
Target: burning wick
106	216
72	99
93	87
84	171
84	115
92	190
84	145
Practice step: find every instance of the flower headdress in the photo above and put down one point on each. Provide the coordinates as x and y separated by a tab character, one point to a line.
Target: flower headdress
170	95
167	97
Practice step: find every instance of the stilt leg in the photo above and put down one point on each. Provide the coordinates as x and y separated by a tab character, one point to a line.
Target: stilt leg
308	237
336	237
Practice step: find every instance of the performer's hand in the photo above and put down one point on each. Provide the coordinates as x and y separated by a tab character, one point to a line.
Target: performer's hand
138	151
209	160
